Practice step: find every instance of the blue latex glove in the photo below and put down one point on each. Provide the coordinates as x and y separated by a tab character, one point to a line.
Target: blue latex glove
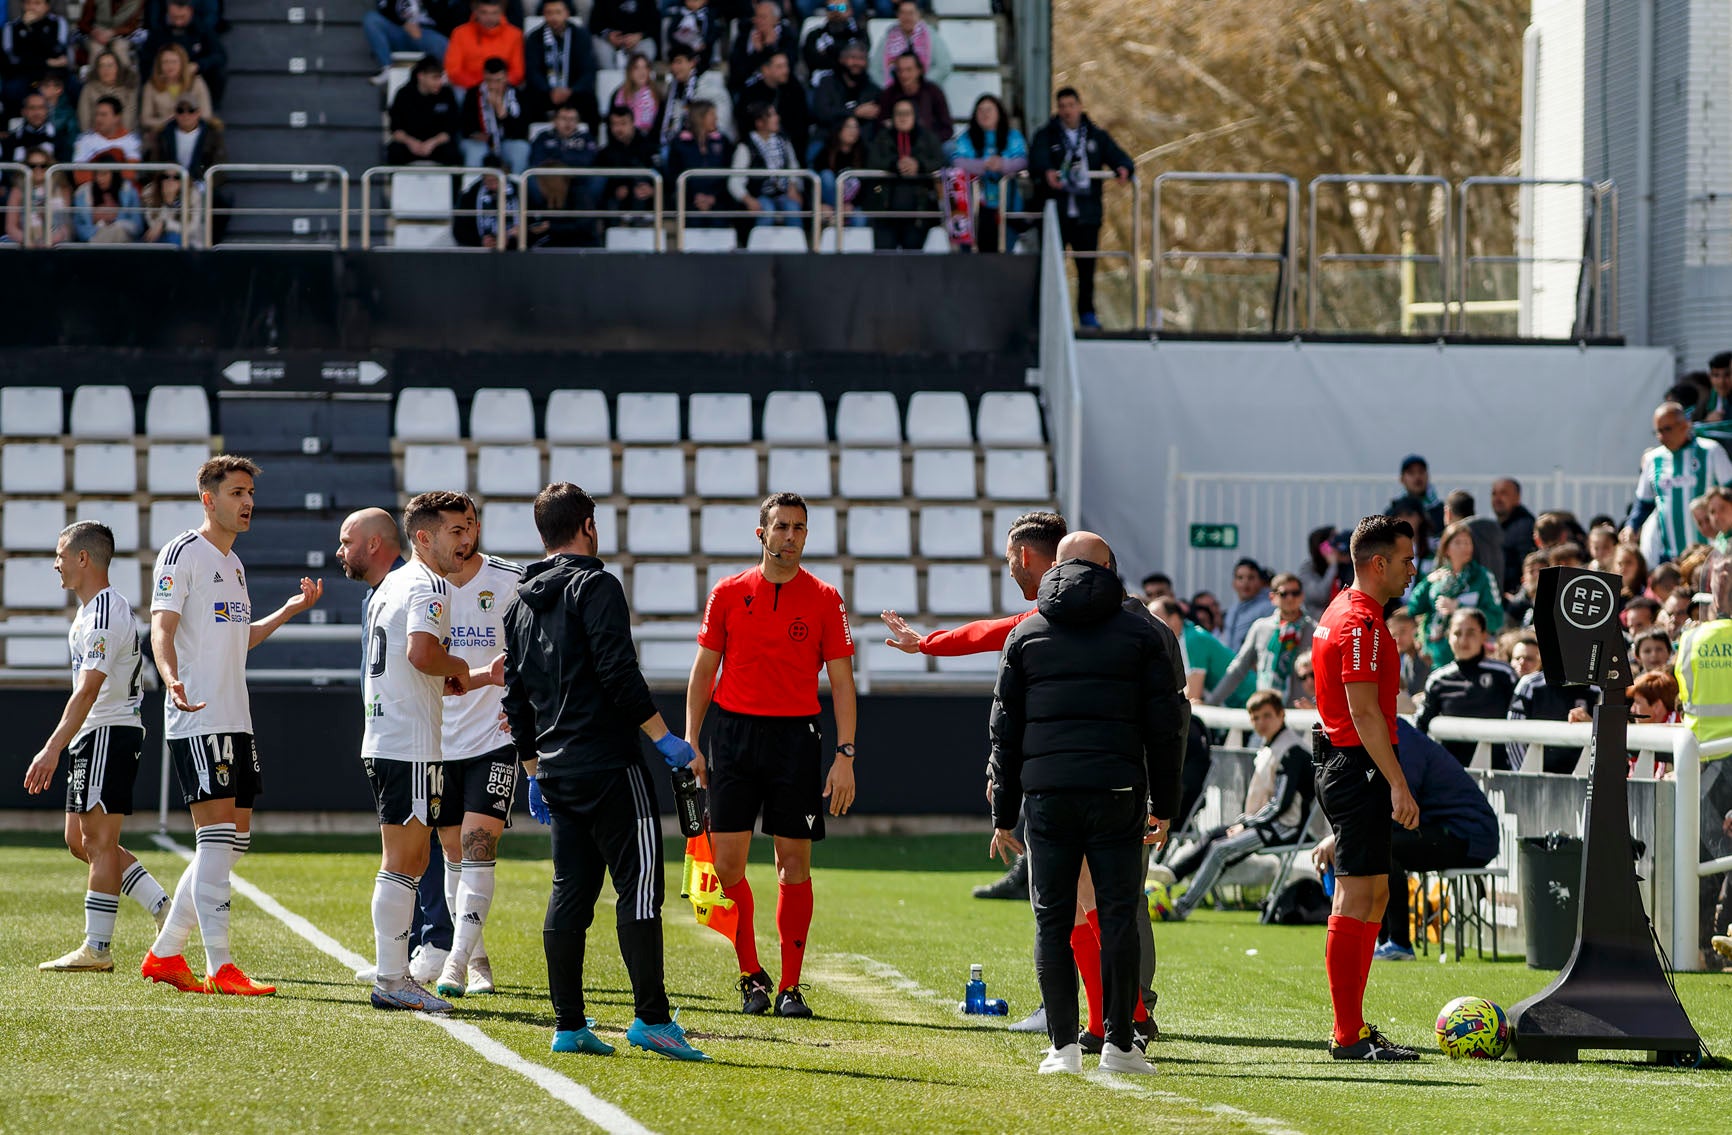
537	805
674	750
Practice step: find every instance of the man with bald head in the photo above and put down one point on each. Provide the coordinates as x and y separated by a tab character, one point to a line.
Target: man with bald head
368	546
1674	473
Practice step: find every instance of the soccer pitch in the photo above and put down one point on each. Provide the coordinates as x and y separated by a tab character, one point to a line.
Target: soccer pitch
1243	1013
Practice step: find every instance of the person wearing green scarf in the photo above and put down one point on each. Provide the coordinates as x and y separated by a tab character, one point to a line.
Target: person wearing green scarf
1457	581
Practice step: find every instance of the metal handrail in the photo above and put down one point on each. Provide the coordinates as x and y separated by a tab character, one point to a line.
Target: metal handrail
597	214
1285	258
1315	258
122	169
19	169
813	212
1464	260
435	171
865	175
214	173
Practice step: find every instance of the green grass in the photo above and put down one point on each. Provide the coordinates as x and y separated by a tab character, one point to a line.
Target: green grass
1241	1031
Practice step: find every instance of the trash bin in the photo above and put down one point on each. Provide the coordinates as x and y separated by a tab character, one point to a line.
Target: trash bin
1551	870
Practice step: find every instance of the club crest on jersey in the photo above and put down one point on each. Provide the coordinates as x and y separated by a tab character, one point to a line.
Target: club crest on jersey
435	608
485	600
222	773
799	631
165	585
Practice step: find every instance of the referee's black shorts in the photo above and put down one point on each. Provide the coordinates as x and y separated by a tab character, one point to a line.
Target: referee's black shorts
768	765
1354	794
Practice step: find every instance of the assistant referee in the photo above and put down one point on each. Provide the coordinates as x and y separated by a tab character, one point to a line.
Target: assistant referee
1359	780
775	625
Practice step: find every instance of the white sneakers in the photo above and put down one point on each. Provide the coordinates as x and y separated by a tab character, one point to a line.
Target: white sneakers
1066	1059
382	78
1127	1060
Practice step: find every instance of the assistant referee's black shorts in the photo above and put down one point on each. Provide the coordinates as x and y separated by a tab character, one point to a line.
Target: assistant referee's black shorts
1354	794
768	765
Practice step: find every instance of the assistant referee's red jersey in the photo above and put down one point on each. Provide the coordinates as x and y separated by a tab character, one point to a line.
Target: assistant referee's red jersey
1352	643
773	639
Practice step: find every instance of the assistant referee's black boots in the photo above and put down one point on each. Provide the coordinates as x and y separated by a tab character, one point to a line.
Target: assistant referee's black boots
755	993
1013	884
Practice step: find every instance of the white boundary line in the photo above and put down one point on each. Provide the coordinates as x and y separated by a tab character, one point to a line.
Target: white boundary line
586	1103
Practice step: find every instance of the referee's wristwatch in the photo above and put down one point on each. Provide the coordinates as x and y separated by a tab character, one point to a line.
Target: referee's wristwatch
845	751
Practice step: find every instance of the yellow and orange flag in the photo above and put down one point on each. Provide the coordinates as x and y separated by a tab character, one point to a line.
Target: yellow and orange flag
704	888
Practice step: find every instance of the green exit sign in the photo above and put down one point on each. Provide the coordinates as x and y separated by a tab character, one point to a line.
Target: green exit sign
1214	535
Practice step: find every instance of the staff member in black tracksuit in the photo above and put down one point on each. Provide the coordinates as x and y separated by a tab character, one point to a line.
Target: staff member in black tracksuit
575	701
1060	158
1088	721
1471	686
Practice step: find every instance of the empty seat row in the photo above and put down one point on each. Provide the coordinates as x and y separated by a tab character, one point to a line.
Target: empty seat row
31	583
952	590
35	525
104	412
101	467
866	418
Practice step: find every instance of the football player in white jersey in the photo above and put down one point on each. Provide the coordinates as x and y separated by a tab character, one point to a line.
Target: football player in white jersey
201	629
102	726
480	762
408	673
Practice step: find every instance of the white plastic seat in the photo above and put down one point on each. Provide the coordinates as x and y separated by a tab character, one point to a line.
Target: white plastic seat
937	241
618	572
868	417
421	196
1004	515
169	519
803	471
32	583
885	587
427	468
878	532
607	81
664	589
107	467
508	471
962	89
882	658
1017	474
1009	418
950	533
944	474
821	532
855	238
829	571
711	240
622	239
177	413
43	650
171	468
502	414
422	234
31	526
508	528
725	418
426	413
776	239
101	411
986	663
32	467
667	656
727	472
950	8
871	474
728	530
658	530
719	570
972	43
958	589
607	532
589	467
121	517
652	471
31	411
575	416
649	417
795	416
126	575
938	418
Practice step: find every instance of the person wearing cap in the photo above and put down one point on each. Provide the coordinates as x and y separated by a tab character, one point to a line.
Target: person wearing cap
189	140
1416	486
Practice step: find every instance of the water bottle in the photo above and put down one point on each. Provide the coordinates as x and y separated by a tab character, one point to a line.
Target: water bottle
974	994
997	1007
686	805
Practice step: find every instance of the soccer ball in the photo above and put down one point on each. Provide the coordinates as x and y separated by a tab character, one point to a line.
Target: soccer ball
1160	900
1473	1027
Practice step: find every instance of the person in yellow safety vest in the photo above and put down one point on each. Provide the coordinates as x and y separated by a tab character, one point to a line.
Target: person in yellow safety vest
1704	670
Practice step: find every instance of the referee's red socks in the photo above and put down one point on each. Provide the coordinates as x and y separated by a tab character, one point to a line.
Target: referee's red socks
793	922
745	936
1347	961
1096	995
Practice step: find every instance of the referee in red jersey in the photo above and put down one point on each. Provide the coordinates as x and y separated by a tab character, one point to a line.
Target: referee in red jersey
775	625
1359	781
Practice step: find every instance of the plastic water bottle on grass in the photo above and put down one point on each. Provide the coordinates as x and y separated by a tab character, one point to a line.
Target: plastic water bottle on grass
974	993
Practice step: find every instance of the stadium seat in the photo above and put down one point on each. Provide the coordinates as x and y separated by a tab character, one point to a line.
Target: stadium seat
422	234
31	583
44	651
576	416
855	238
421	196
986	663
821	532
120	516
31	526
31	411
710	240
884	587
32	467
502	414
108	467
1010	600
169	519
621	239
590	467
171	468
652	471
508	471
795	416
829	571
725	418
878	533
950	533
427	413
949	8
664	589
958	589
803	471
607	81
868	417
728	530
1017	474
972	43
1008	418
1005	514
102	411
177	413
937	241
871	474
667	656
727	472
945	474
882	658
649	417
508	528
719	570
777	239
427	468
618	572
962	89
658	530
939	418
606	530
126	575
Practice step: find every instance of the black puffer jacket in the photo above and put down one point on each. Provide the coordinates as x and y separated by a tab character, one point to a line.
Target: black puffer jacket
1089	697
574	696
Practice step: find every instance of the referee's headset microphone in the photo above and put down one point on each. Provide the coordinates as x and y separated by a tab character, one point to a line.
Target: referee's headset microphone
761	540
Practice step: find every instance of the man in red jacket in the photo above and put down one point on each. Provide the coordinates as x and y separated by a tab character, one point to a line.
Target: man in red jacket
485	36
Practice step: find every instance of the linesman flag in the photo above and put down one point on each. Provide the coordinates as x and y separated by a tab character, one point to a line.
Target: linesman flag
704	888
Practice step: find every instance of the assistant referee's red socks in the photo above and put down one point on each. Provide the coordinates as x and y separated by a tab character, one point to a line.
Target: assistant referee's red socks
1347	961
793	922
745	937
1139	1013
1085	946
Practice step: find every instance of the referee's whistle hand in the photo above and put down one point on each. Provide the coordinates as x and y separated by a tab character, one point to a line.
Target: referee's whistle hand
1404	809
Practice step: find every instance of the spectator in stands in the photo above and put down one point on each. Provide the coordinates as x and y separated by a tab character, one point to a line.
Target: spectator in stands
1458	581
207	15
913	155
1518	529
35	131
911	34
1062	155
109	78
424	119
1535	699
627	148
622	29
776	200
688	84
1319	571
485	36
1632	567
568	144
1567	555
1487	533
845	149
189	140
695	26
1518	608
768	34
843	92
62	114
162	205
1251	586
639	95
702	145
1205	611
931	108
204	51
1673	473
1416	483
1155	585
1602	548
28	204
1719	406
108	136
106	209
31	44
401	25
1271	644
774	85
994	151
1306	675
1554	528
1469	684
1663	580
1718	504
1524	653
1653	699
170	84
1410	510
559	65
476	221
1415	663
112	25
551	201
1640	614
1653	651
822	50
494	124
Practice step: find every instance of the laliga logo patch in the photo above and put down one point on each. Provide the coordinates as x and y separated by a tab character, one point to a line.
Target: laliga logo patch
799	631
435	608
485	600
165	585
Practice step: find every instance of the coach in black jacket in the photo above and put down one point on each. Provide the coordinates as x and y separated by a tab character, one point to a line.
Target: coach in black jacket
575	701
1088	726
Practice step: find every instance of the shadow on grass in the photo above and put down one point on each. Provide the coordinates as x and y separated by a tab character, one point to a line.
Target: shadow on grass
843	1072
1246	1041
1240	1073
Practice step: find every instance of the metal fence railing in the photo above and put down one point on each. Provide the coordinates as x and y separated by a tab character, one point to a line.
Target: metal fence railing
433	193
319	178
126	171
547	214
809	215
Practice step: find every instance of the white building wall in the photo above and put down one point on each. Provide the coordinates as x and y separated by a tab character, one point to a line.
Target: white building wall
1550	228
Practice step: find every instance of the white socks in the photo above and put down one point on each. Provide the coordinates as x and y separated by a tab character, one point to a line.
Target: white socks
216	854
99	914
143	889
469	912
453	879
393	916
182	918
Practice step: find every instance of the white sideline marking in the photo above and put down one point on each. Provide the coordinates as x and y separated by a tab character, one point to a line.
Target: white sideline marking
586	1103
1227	1111
890	975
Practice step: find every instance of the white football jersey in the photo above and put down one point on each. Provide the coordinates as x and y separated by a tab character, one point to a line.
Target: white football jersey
104	637
208	589
472	725
404	716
